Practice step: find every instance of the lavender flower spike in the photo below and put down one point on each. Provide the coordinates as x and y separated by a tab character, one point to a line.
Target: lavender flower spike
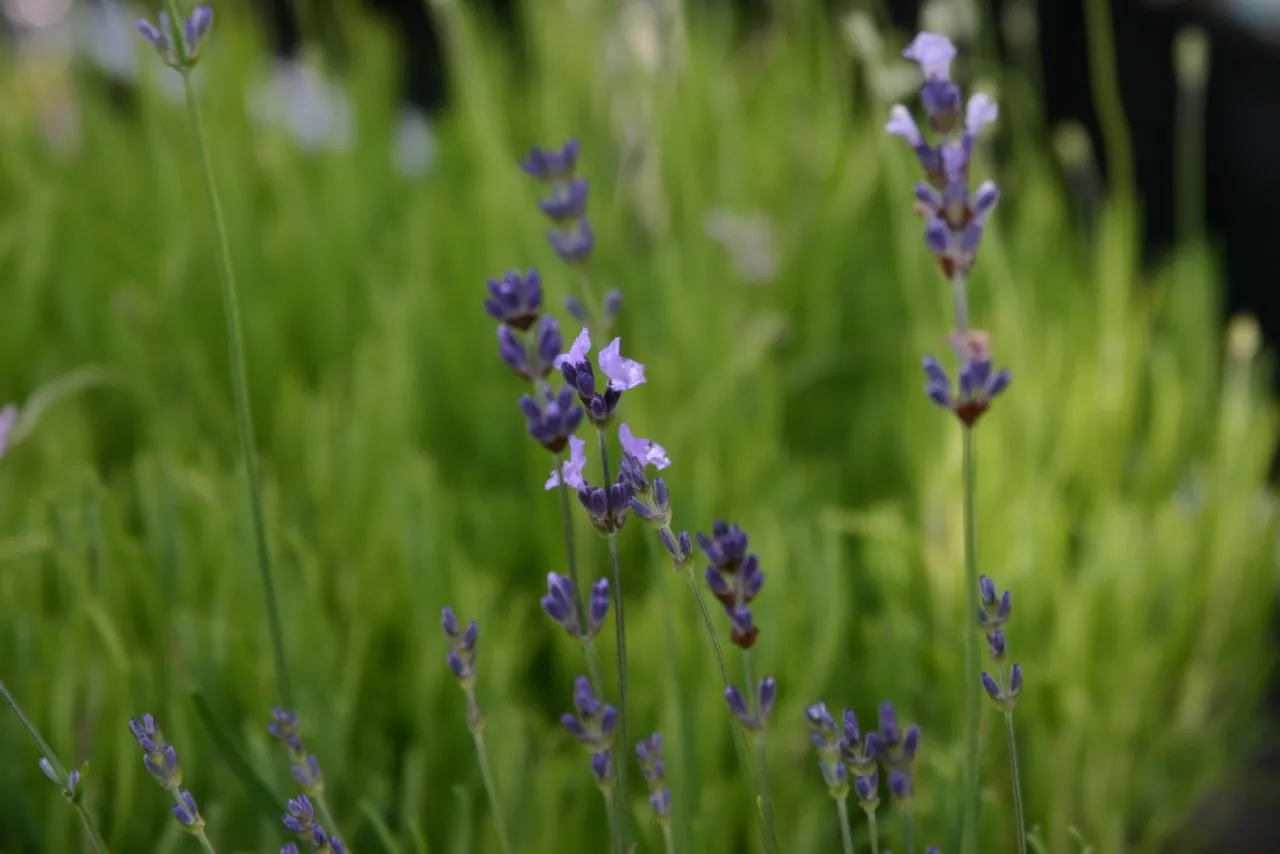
187	813
179	47
159	757
561	603
978	386
649	753
735	579
462	647
304	766
622	374
301	821
826	738
595	721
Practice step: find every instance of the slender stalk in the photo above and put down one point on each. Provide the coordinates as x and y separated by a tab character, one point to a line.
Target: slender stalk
846	836
874	829
621	635
593	665
90	826
199	834
908	831
668	842
570	549
1019	811
612	809
239	383
495	805
762	765
972	663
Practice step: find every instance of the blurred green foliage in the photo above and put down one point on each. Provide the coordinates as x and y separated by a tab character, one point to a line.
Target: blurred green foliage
1122	490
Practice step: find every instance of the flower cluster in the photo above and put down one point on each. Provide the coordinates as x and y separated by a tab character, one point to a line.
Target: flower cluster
895	750
561	605
622	374
755	719
649	753
462	662
979	384
161	761
301	821
566	202
993	614
607	506
734	577
954	218
593	725
304	766
178	45
528	341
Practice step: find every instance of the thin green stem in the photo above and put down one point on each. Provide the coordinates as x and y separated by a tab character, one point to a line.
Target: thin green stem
593	665
239	384
972	663
205	843
199	834
1019	813
90	826
908	831
621	635
874	830
612	809
667	841
1104	83
762	765
495	804
846	835
570	549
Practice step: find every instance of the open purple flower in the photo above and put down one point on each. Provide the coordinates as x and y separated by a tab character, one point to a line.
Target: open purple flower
954	218
622	374
570	471
646	451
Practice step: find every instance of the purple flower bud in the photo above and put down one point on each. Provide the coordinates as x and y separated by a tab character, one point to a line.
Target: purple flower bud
576	309
987	591
552	422
910	744
889	730
595	721
992	688
567	202
1015	681
462	647
612	304
515	301
197	25
8	420
551	164
867	788
602	768
186	812
996	645
301	818
159	758
575	243
900	785
598	606
851	732
560	603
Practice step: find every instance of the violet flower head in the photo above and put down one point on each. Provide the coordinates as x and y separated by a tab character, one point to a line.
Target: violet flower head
735	579
622	374
570	471
993	611
553	420
855	750
891	745
462	647
301	822
753	720
595	721
647	451
159	757
179	47
566	202
561	605
954	217
551	165
649	753
187	813
69	787
979	385
826	739
680	547
304	766
867	788
531	355
514	300
602	769
1004	692
607	506
8	421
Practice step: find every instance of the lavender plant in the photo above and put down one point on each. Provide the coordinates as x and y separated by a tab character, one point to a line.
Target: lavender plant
954	220
161	761
303	765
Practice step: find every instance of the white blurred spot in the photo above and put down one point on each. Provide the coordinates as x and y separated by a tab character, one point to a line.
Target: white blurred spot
956	19
298	99
750	242
34	14
414	148
105	33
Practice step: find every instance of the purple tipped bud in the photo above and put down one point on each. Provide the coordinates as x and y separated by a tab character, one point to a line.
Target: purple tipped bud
987	589
910	743
1015	681
851	733
992	688
996	644
900	785
197	25
598	607
768	693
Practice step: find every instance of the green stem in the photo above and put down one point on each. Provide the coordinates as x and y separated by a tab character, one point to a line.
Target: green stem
495	805
90	826
667	841
846	836
593	665
239	383
762	765
1019	812
612	809
972	663
908	831
205	843
621	636
874	829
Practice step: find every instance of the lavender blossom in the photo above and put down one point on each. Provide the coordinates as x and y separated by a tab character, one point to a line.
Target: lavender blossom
826	738
515	301
462	647
561	605
954	218
766	694
649	753
301	821
891	746
647	451
570	470
552	422
979	385
602	769
679	547
993	612
69	788
8	421
1005	697
735	579
159	757
594	723
551	165
532	355
566	205
622	374
178	47
607	506
854	748
187	813
303	765
567	202
867	788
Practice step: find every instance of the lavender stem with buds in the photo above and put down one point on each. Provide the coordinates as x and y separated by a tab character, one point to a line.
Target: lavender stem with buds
303	765
161	761
993	613
760	709
621	635
180	49
52	768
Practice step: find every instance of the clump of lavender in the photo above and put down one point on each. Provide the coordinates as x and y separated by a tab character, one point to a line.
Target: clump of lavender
301	822
826	739
895	750
955	218
161	761
1006	685
593	725
649	754
462	663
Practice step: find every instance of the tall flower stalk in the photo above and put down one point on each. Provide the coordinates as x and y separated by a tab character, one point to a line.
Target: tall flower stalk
954	222
178	44
161	761
67	781
1004	687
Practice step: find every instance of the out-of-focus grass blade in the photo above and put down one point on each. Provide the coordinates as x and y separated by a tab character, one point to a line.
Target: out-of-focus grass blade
255	787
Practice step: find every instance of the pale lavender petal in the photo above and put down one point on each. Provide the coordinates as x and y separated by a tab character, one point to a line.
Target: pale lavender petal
578	351
982	110
933	53
572	468
903	126
646	451
622	373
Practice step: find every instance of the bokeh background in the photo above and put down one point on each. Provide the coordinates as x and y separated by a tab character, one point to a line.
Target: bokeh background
758	222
